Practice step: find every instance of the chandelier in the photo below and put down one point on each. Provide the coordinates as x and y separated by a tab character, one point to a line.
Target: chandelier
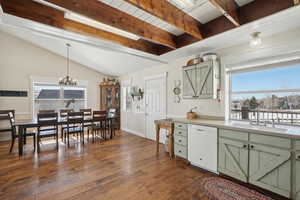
67	80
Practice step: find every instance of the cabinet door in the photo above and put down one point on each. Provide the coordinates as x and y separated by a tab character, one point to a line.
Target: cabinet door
233	158
205	80
189	82
297	176
270	168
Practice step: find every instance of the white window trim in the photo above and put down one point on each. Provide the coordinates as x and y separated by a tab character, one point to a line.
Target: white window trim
52	80
125	83
256	65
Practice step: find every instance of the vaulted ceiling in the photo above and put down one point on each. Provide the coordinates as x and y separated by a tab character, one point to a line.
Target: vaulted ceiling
158	26
142	32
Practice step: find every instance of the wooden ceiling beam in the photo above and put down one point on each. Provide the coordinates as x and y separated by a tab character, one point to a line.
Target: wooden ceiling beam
108	15
55	18
248	13
228	9
170	14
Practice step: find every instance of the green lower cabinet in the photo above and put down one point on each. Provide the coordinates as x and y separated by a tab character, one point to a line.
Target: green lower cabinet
233	158
270	168
298	177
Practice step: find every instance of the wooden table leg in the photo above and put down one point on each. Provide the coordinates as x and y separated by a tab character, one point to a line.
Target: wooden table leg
20	140
157	138
171	142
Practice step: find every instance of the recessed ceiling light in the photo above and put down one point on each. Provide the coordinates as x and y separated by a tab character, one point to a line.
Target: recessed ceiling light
255	39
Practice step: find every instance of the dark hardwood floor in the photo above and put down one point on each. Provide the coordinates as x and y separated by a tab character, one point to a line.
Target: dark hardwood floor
123	168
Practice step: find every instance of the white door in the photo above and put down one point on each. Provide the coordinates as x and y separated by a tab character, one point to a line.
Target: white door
155	105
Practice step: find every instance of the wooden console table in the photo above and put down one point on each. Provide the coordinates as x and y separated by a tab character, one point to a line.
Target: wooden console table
167	124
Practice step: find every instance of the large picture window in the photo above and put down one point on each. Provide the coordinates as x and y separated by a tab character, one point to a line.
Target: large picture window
48	96
269	95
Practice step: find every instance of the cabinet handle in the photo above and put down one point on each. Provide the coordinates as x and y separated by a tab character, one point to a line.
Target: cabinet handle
179	151
200	158
179	140
245	146
251	146
299	157
200	130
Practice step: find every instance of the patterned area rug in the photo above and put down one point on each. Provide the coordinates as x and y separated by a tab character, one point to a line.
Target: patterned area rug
221	189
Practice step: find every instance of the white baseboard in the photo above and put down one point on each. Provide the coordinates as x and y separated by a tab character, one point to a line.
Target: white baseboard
133	132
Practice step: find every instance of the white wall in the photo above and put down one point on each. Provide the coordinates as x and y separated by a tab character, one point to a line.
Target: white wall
272	46
19	60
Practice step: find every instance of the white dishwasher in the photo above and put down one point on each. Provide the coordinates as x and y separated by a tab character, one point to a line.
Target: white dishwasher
203	147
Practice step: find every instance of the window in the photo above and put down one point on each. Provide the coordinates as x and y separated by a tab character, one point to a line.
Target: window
126	99
48	96
269	95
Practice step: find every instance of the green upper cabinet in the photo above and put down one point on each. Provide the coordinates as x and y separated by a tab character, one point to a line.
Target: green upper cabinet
233	158
201	80
270	168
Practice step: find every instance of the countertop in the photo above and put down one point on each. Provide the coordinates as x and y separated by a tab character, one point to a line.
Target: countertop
281	131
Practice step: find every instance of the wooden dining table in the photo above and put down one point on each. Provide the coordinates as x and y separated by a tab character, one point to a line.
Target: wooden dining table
23	124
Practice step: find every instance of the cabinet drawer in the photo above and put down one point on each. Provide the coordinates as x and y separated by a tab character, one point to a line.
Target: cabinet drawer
180	140
233	134
180	132
180	151
181	126
297	144
271	140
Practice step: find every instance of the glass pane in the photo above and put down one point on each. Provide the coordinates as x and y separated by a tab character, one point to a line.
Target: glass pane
283	108
46	92
271	79
74	93
108	93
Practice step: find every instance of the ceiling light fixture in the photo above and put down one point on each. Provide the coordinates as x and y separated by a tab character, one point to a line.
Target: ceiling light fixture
255	39
84	20
184	3
67	80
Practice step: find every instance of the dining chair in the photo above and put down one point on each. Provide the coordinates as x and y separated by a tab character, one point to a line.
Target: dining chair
64	112
47	127
4	120
46	111
63	115
87	112
98	125
14	134
111	119
75	125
